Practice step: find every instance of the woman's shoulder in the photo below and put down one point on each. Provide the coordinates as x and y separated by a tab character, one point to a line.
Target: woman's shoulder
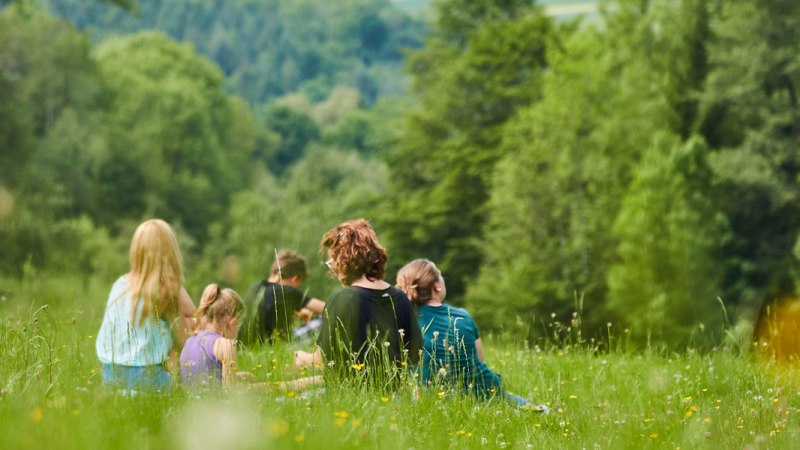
119	288
347	292
455	311
122	280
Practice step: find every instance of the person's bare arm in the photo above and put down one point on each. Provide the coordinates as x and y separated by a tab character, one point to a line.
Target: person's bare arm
479	348
315	305
182	327
306	359
301	384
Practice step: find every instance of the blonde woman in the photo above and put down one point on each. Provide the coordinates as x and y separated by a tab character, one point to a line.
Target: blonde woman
148	313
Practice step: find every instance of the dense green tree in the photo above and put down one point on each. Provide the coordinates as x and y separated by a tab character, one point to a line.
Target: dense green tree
45	69
323	188
270	48
295	130
48	149
175	134
667	281
569	159
751	115
469	81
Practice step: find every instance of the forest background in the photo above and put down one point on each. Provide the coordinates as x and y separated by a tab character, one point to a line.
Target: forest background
637	168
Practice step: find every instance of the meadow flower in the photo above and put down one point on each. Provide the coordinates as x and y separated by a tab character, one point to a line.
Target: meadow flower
37	415
278	427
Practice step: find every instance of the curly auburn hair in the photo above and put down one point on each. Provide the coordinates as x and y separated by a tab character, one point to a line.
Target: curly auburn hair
355	250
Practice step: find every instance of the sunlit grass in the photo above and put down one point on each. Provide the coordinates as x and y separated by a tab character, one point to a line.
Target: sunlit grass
51	397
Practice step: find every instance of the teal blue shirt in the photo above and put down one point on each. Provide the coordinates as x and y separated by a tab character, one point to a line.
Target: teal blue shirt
128	342
450	356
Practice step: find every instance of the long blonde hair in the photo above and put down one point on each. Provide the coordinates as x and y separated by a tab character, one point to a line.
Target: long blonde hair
156	274
218	304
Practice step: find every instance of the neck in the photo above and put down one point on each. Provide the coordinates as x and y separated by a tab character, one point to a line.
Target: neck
365	282
210	326
435	302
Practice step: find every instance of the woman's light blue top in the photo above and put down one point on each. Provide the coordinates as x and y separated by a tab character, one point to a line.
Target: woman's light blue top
128	342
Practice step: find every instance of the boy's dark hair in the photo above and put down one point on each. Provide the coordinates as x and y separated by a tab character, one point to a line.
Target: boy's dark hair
289	264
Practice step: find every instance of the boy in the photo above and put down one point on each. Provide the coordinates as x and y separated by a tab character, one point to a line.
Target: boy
271	302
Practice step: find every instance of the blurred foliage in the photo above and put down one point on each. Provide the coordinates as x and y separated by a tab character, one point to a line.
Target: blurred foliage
638	169
270	48
469	80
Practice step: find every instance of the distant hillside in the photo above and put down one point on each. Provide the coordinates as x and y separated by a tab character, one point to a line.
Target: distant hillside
271	48
556	8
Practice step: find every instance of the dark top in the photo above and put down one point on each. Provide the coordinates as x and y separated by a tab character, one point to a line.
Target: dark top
364	329
270	307
450	355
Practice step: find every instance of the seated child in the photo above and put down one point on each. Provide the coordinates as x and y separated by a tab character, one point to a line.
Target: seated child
272	301
209	356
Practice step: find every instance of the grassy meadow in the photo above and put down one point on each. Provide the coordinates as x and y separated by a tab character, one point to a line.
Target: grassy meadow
51	395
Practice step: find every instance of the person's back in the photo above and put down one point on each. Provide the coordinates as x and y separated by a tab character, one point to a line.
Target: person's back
449	336
209	356
147	314
365	329
369	332
273	302
453	348
276	310
199	365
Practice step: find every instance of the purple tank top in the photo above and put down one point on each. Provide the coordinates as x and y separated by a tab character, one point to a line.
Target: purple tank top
198	363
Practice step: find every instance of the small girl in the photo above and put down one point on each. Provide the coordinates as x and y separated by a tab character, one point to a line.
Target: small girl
148	314
210	354
453	350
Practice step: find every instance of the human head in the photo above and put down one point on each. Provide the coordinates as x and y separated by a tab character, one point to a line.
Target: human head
288	265
221	308
156	272
418	279
355	251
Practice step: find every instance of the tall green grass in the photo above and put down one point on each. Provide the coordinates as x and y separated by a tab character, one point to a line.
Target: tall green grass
51	396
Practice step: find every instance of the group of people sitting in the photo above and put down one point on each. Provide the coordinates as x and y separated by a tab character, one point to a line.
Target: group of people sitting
371	332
